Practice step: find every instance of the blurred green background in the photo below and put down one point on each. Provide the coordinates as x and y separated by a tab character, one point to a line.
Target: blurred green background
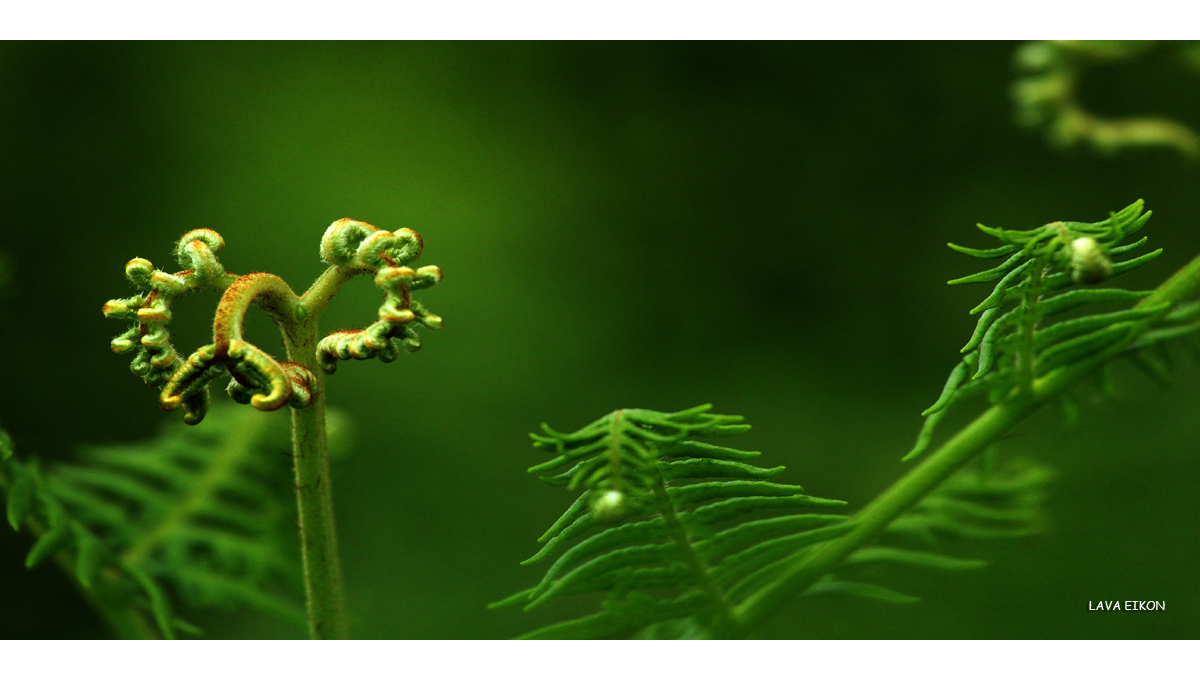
761	226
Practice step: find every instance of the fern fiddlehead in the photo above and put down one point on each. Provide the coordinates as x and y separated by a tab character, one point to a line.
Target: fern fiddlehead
350	248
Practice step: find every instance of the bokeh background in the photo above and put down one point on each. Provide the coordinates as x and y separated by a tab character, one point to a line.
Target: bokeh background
761	226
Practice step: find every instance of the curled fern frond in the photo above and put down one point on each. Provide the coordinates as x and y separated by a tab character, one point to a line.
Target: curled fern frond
349	246
1046	95
353	243
155	360
194	518
1012	344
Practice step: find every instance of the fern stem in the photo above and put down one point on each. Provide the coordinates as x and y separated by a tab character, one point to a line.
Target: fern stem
955	453
195	498
722	612
313	301
314	495
1029	318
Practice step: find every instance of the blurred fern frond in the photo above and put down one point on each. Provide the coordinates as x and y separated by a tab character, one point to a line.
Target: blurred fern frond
1013	343
677	551
196	517
1047	94
988	500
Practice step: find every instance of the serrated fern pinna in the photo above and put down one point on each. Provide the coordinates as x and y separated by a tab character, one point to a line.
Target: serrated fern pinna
1013	345
660	526
194	518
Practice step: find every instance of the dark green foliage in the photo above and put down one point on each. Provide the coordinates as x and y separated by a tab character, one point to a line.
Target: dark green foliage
678	559
1013	345
197	517
1153	353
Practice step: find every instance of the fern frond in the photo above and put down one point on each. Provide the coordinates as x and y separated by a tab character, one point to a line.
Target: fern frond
197	517
1018	338
662	522
1046	95
696	543
985	501
614	456
978	503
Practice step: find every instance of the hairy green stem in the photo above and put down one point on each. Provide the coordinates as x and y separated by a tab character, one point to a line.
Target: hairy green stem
950	457
297	318
323	289
314	493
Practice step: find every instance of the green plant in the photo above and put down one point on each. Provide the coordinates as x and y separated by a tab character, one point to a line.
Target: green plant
681	537
349	248
198	512
676	559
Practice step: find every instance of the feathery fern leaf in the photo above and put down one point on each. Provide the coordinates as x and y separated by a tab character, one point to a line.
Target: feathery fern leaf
660	525
677	560
613	456
198	517
984	501
1152	352
1011	347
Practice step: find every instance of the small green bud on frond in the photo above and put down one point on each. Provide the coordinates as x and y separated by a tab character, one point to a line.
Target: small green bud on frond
1089	262
608	506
